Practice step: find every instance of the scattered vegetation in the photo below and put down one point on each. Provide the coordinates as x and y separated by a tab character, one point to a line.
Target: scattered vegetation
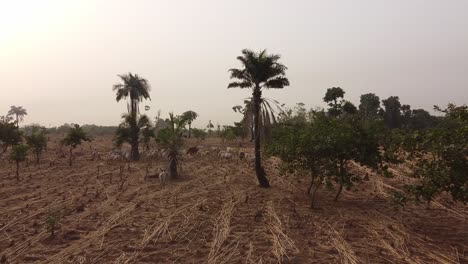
18	154
37	139
74	138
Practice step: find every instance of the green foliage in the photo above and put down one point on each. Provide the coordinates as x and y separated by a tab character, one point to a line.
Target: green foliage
332	98
440	155
190	116
323	146
53	221
19	112
9	134
392	114
37	139
199	134
75	136
19	153
132	128
171	138
229	133
135	88
369	106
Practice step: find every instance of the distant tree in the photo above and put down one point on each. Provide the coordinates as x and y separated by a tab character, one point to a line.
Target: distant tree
259	70
190	116
171	138
136	89
392	113
19	154
74	138
10	135
349	108
332	98
19	112
369	106
199	134
37	140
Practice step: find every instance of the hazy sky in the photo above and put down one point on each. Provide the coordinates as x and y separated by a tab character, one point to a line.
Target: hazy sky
59	59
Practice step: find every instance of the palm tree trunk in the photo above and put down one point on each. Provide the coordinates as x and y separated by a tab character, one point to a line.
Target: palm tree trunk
260	172
17	121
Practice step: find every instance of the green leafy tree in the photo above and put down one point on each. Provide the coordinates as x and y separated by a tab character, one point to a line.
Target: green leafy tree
323	146
259	71
171	138
18	154
136	89
10	135
19	112
333	98
37	140
74	138
190	116
392	113
440	156
369	106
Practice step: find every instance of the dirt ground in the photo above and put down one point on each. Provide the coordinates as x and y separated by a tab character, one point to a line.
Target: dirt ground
214	213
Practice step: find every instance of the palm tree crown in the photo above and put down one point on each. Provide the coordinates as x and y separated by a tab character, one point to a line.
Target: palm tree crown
259	70
134	87
19	112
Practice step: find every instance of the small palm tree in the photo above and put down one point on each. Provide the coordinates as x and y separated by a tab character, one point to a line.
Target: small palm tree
74	138
19	112
19	154
130	130
136	89
190	116
171	139
259	70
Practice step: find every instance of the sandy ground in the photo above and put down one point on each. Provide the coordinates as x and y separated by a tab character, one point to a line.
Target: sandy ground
214	213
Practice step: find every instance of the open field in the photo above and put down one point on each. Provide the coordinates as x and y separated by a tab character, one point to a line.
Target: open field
214	213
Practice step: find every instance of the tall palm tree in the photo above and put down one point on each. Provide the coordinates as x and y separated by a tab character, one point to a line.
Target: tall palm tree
190	116
136	89
19	112
259	70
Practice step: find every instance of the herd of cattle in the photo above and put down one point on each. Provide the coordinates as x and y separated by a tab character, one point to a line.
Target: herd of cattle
228	153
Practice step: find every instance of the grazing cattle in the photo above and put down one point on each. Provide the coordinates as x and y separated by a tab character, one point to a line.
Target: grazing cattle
192	150
225	155
204	153
214	149
242	155
163	177
232	150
